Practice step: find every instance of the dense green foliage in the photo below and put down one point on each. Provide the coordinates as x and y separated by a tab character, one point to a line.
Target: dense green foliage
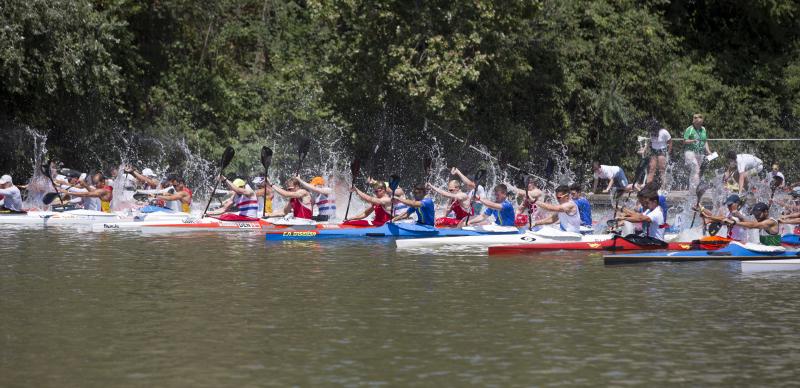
514	75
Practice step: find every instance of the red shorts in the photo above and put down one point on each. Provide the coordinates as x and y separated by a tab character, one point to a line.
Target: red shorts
235	217
446	221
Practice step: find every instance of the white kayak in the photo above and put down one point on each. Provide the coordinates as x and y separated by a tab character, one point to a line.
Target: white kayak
139	221
771	265
543	234
83	217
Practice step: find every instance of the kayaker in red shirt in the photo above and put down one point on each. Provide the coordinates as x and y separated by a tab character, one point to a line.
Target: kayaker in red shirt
381	206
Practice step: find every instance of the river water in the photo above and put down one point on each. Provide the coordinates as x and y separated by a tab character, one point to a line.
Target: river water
206	310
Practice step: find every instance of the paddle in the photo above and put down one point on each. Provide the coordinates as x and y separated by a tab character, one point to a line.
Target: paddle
45	169
549	170
227	156
427	163
477	178
776	182
701	187
266	161
393	183
355	167
302	151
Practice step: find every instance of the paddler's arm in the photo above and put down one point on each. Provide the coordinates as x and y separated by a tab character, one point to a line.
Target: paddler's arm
792	219
408	202
141	178
91	194
635	218
318	190
447	194
173	197
552	208
361	215
765	225
289	194
222	209
552	219
368	198
238	190
491	204
455	171
403	216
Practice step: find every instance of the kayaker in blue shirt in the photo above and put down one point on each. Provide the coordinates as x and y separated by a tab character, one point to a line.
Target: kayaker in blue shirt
502	210
584	207
422	206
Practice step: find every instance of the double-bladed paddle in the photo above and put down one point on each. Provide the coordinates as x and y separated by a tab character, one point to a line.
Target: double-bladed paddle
266	161
393	183
227	156
302	151
355	167
45	169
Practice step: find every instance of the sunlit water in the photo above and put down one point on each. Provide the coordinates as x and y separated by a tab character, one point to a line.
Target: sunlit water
99	310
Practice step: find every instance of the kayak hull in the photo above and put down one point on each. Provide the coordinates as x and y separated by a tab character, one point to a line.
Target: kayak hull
734	251
544	235
604	245
771	265
390	230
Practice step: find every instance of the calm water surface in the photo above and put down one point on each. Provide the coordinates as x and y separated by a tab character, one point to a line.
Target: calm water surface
204	310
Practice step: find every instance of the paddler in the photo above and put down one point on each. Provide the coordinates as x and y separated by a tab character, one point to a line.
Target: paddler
12	198
529	203
614	174
651	218
262	188
768	228
746	165
501	208
323	198
421	205
182	196
299	204
733	203
243	198
474	190
98	197
381	206
565	213
459	203
584	207
146	177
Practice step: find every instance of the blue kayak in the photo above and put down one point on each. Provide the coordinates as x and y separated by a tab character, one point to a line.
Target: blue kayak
734	251
790	239
402	230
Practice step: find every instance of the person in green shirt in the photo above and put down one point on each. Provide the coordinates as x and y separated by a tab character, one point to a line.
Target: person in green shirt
696	148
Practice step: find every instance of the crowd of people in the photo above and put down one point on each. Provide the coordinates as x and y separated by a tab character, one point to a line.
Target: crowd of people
468	203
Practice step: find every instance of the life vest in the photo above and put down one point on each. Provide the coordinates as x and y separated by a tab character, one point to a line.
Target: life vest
299	210
105	206
326	205
768	238
459	211
381	215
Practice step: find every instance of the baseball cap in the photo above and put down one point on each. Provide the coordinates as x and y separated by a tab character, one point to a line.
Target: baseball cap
239	182
258	180
148	173
317	180
5	179
733	198
759	208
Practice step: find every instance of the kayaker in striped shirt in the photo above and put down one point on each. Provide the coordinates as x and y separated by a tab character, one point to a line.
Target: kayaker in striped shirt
324	198
243	198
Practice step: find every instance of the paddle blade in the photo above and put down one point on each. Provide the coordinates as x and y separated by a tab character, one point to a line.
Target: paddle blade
303	147
479	176
701	189
549	169
394	182
427	162
227	156
49	198
266	158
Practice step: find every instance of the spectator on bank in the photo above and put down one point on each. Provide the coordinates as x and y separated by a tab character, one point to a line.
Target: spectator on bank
696	148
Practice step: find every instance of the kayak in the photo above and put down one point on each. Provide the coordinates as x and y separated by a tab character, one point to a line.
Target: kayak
69	217
615	243
395	230
184	222
790	240
771	265
734	251
542	234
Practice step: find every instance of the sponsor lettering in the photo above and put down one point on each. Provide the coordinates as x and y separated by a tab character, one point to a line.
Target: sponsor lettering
110	226
300	234
247	225
594	245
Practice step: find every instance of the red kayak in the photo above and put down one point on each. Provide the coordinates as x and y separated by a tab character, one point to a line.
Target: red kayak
614	245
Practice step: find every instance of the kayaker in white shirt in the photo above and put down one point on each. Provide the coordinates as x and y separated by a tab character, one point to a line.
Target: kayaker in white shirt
652	218
12	198
565	212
